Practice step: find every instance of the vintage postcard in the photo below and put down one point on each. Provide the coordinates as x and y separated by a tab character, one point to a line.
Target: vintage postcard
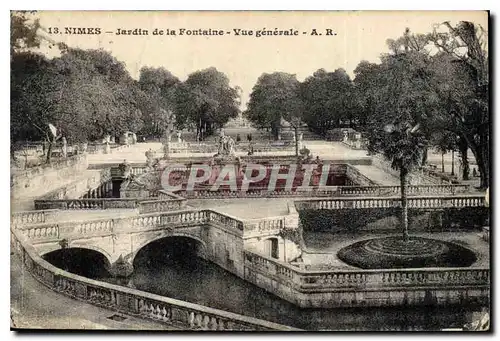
255	171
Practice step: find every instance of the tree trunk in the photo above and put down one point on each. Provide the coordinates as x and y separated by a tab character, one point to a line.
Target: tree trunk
49	151
275	129
481	154
442	162
424	156
482	164
452	162
462	149
404	204
296	131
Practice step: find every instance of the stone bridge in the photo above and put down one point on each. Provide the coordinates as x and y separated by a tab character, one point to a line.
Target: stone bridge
221	238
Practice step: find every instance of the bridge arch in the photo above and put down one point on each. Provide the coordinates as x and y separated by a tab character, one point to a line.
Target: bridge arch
81	260
55	247
201	252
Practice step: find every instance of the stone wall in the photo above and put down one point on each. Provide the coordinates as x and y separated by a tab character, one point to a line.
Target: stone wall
47	177
416	177
368	288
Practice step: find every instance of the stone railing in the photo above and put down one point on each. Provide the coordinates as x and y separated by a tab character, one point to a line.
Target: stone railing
225	221
161	205
135	302
410	190
46	176
87	203
54	165
428	202
324	191
144	205
116	172
339	280
268	226
163	195
33	217
52	231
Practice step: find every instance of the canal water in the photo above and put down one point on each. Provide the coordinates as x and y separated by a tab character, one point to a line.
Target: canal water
184	276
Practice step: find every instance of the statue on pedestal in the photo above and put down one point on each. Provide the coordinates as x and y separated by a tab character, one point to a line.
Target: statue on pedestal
179	140
149	158
225	146
125	169
64	148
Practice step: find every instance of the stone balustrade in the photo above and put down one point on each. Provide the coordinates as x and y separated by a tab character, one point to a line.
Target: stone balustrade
427	202
325	191
271	225
225	221
337	280
46	232
144	205
134	302
162	195
33	217
161	205
410	190
77	187
87	203
55	164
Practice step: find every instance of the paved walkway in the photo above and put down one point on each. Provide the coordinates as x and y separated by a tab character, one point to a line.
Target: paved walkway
83	215
35	306
246	208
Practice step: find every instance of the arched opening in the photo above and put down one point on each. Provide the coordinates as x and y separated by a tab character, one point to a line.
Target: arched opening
271	248
171	250
84	262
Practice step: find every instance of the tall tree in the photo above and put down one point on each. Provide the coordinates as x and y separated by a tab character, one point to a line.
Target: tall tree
276	97
327	100
464	86
404	103
207	101
159	86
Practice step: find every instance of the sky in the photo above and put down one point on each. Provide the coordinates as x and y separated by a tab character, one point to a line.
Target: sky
359	35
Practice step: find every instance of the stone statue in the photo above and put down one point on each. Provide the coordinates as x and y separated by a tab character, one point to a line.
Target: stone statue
107	148
179	140
64	148
125	169
345	136
149	158
226	145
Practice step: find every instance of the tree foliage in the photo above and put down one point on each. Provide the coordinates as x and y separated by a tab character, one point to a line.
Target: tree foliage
206	101
328	100
274	98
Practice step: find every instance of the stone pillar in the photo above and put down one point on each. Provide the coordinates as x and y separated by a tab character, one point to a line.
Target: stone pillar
121	268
